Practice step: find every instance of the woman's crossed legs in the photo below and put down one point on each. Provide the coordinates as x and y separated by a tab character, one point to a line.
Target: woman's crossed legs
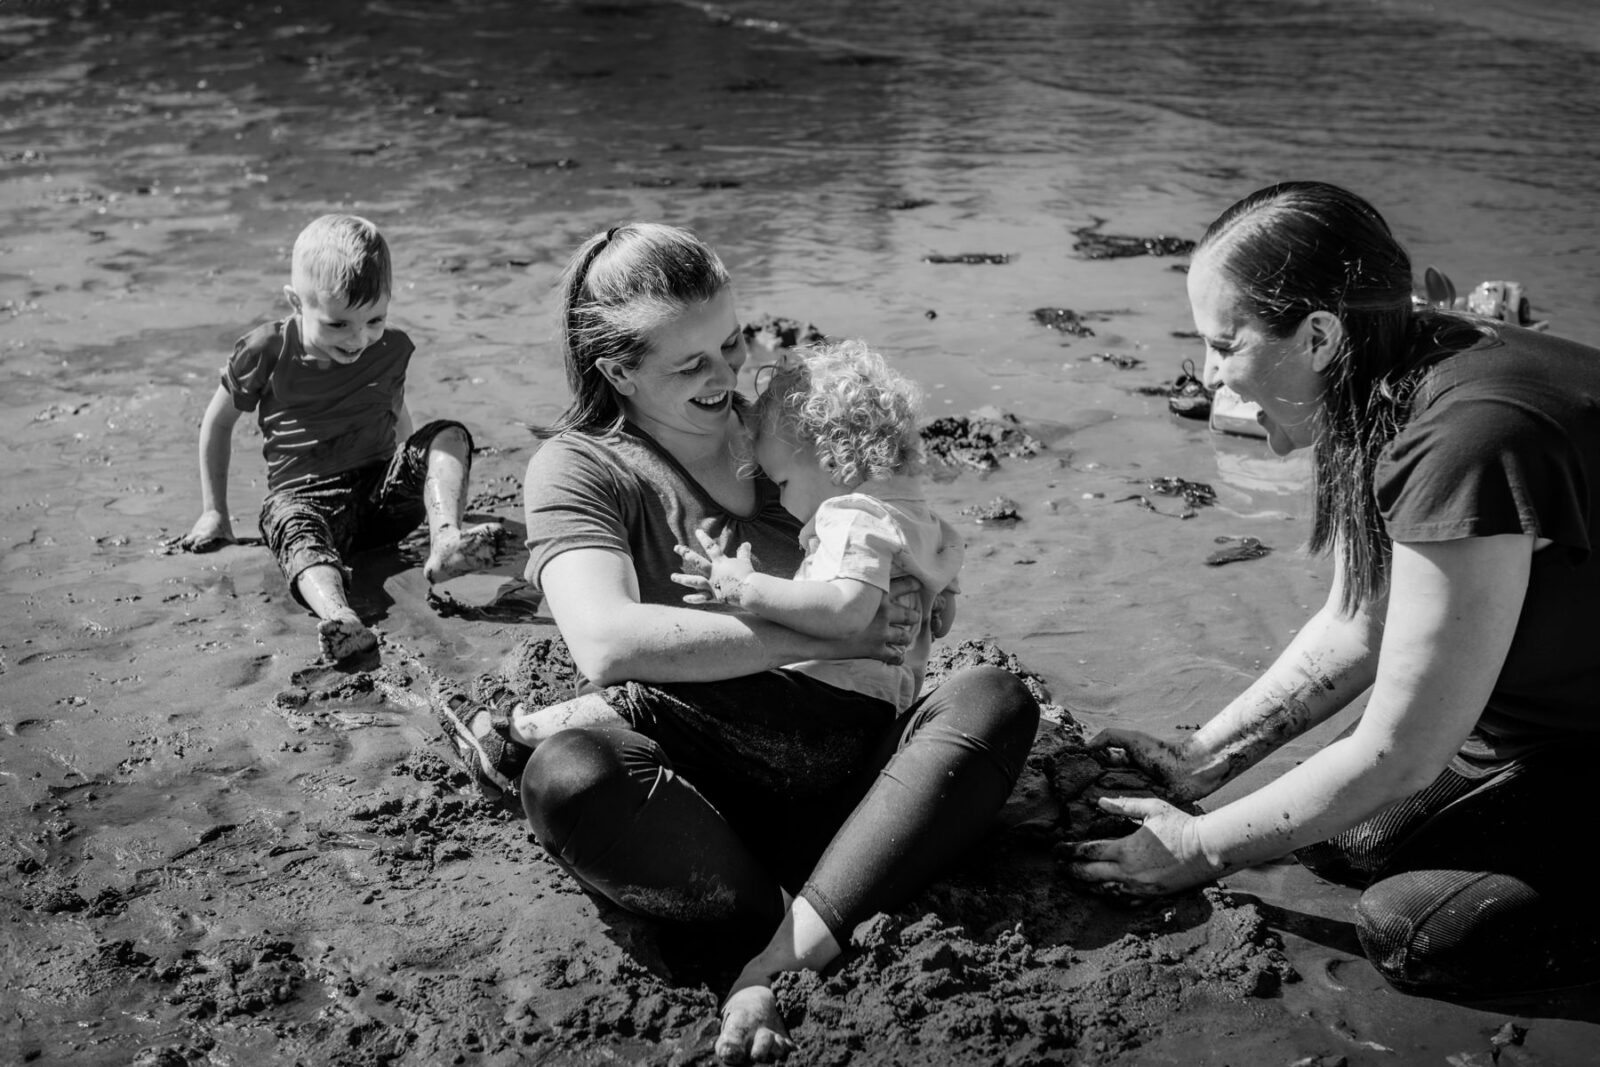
886	807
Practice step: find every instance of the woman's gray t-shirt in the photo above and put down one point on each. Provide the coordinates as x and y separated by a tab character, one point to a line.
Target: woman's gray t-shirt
625	493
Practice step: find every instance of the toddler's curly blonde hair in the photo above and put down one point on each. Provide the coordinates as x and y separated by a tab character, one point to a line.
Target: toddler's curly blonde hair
844	401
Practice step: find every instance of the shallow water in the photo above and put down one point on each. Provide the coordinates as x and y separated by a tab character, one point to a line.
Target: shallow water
156	162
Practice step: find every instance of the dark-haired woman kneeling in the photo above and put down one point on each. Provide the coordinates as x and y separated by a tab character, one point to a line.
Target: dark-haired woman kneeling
1457	485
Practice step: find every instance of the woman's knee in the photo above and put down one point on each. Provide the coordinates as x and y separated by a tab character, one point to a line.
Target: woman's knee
572	772
994	692
1450	932
992	705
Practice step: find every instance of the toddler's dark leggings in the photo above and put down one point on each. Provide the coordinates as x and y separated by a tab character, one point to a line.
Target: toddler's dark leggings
1478	887
613	809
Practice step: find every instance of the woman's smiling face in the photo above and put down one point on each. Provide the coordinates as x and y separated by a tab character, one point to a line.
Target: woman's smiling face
1279	374
685	383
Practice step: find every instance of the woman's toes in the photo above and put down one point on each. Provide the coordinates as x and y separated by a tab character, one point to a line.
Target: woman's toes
752	1028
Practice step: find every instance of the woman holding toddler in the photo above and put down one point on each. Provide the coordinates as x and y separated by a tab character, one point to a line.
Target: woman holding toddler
693	780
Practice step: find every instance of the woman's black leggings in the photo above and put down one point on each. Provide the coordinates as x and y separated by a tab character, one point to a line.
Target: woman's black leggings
699	816
1475	887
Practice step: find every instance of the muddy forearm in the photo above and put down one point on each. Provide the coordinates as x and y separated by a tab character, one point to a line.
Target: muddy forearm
1331	663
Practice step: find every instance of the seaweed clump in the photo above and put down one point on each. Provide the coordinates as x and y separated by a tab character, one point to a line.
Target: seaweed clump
978	441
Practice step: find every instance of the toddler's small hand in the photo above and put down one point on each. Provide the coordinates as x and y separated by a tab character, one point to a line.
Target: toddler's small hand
715	577
694	563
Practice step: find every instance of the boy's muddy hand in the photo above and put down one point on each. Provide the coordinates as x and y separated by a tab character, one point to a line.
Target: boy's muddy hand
210	532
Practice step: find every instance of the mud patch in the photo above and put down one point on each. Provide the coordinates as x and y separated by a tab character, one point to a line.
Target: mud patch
1092	244
978	441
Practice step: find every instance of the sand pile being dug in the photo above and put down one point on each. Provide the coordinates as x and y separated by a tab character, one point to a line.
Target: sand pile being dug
377	911
1001	961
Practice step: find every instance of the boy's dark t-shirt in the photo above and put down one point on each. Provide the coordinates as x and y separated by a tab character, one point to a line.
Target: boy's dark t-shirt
316	422
1505	439
625	493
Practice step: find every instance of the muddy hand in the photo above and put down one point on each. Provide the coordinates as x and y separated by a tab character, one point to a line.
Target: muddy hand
693	576
1163	856
715	576
1163	762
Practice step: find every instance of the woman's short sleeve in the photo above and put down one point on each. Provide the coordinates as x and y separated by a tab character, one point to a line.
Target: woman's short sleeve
571	499
1479	463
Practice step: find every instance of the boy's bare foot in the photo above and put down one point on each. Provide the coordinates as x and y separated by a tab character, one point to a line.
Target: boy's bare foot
345	635
752	1029
462	550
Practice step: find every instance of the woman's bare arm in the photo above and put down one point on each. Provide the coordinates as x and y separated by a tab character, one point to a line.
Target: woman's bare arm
1330	662
1453	609
593	594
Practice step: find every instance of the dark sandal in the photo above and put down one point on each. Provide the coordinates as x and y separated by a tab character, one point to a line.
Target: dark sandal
492	759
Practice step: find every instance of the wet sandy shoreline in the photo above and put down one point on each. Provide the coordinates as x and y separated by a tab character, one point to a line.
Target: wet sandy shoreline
216	851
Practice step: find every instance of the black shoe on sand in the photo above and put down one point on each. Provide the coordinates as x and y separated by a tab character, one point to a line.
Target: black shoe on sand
480	734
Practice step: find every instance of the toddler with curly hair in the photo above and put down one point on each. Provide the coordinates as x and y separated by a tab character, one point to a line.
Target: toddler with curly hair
836	429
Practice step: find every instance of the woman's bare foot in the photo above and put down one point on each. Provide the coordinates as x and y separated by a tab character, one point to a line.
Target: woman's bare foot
461	550
345	635
752	1029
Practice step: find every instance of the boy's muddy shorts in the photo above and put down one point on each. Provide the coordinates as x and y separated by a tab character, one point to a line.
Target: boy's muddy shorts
327	519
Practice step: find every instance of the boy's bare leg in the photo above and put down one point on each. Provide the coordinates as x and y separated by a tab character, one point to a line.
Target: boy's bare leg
752	1028
341	633
454	549
529	726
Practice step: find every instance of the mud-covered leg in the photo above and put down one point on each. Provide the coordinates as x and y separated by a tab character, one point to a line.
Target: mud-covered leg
454	548
341	634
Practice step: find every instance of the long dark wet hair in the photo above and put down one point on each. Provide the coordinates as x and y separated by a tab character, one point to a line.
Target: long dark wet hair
1298	247
620	285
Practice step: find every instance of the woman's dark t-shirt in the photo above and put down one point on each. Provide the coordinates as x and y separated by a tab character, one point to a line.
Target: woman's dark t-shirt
1504	438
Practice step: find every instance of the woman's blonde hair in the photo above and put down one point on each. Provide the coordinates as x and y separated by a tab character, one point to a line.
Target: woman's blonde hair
844	401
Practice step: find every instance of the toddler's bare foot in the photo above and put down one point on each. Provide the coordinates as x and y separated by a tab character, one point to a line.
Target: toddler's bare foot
345	635
462	550
752	1029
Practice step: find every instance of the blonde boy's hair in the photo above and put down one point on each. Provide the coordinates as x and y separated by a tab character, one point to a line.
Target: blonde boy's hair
345	256
844	401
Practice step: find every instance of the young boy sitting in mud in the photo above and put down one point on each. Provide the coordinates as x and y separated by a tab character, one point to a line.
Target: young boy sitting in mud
345	471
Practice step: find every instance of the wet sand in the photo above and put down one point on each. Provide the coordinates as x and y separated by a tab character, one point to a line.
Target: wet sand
216	850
